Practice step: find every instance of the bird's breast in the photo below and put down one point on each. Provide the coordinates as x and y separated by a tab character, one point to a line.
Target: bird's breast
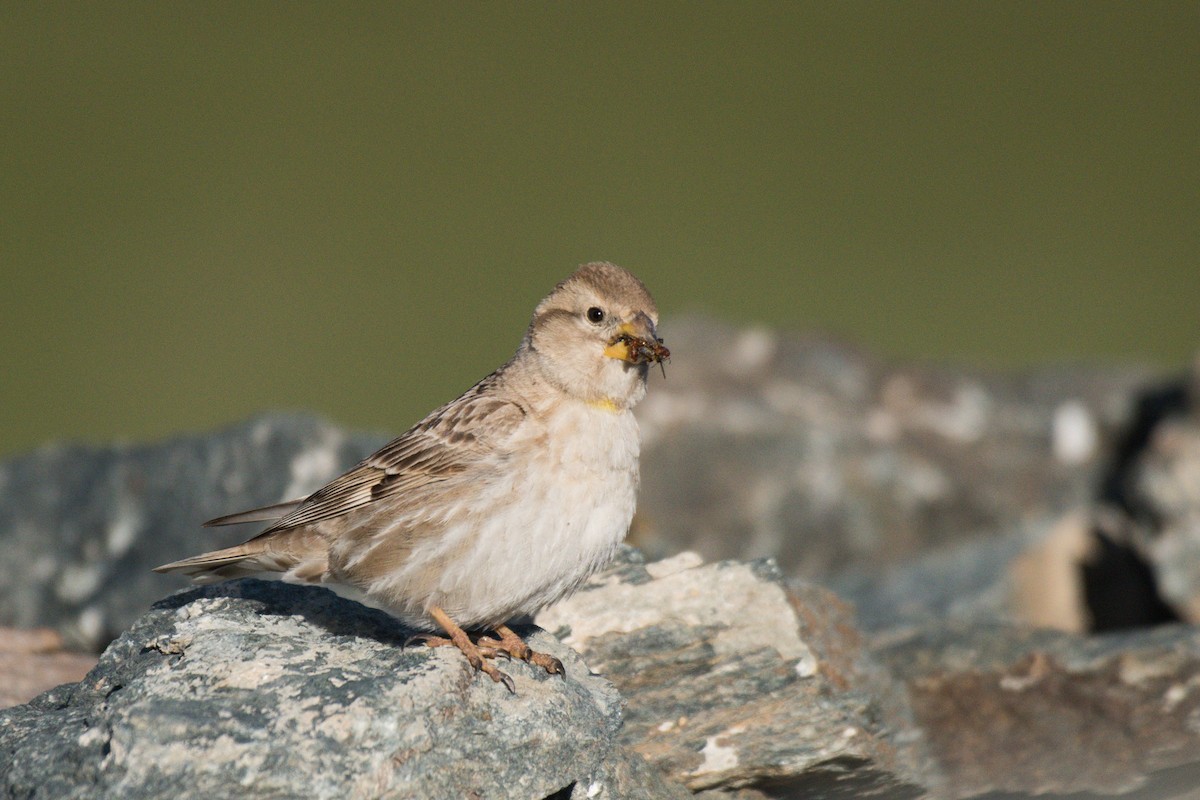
556	515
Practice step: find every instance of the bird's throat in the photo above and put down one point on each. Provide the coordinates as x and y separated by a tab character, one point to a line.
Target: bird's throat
605	404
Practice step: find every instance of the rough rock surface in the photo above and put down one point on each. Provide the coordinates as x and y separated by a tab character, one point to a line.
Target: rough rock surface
91	522
271	690
1021	712
733	682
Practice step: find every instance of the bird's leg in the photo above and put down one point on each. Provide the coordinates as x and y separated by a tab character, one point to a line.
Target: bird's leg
509	642
475	655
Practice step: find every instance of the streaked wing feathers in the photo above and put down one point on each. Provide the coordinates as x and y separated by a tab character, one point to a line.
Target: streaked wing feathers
464	434
264	514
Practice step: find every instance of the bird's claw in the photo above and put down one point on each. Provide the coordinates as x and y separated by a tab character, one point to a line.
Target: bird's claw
514	646
549	663
502	677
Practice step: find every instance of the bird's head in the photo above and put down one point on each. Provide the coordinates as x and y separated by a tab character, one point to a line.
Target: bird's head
596	334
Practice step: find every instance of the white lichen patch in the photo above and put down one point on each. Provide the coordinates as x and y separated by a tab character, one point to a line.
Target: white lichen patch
1074	435
248	674
92	736
806	665
1137	671
1174	695
718	757
239	762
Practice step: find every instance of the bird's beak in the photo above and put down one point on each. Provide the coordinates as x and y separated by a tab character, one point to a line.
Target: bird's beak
637	342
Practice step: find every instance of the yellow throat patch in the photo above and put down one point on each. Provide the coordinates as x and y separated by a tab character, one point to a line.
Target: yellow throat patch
605	404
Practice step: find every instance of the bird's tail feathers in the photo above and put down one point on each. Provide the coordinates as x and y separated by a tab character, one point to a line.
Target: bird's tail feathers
299	556
232	562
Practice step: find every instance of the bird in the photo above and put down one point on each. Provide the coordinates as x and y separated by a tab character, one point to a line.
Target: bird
495	505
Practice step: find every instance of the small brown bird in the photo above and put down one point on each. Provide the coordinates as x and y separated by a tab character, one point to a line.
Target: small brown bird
498	503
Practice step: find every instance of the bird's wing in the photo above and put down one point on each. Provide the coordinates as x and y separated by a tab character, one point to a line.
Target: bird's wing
264	514
467	433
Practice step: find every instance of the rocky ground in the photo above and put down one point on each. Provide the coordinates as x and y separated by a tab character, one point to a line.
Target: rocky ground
854	579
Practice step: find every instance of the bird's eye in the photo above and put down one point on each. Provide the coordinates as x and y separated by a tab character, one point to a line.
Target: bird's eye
595	315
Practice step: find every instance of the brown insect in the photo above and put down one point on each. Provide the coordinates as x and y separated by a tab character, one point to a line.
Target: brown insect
644	351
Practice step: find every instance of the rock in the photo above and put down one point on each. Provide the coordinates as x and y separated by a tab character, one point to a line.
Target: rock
32	661
734	683
260	689
968	580
807	450
1030	574
1162	508
90	522
1021	712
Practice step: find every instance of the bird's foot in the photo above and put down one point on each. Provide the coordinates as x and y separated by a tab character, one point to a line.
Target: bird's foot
514	646
476	655
433	640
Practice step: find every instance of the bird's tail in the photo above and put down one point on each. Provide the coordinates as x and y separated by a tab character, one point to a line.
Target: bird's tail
299	555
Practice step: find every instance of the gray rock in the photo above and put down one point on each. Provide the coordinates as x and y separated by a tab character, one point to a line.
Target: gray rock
807	450
734	683
968	580
1020	712
266	690
90	522
1030	574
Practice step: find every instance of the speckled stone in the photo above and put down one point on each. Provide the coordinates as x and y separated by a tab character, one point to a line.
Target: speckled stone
266	690
734	681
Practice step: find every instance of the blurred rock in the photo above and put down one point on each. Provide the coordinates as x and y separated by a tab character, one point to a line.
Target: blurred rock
734	683
260	689
1164	522
90	522
1030	574
32	661
1016	712
804	449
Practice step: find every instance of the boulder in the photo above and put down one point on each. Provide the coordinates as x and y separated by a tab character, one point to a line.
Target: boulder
91	522
262	689
1011	711
733	682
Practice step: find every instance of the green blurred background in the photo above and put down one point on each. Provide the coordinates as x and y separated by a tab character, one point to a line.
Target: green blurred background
212	209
